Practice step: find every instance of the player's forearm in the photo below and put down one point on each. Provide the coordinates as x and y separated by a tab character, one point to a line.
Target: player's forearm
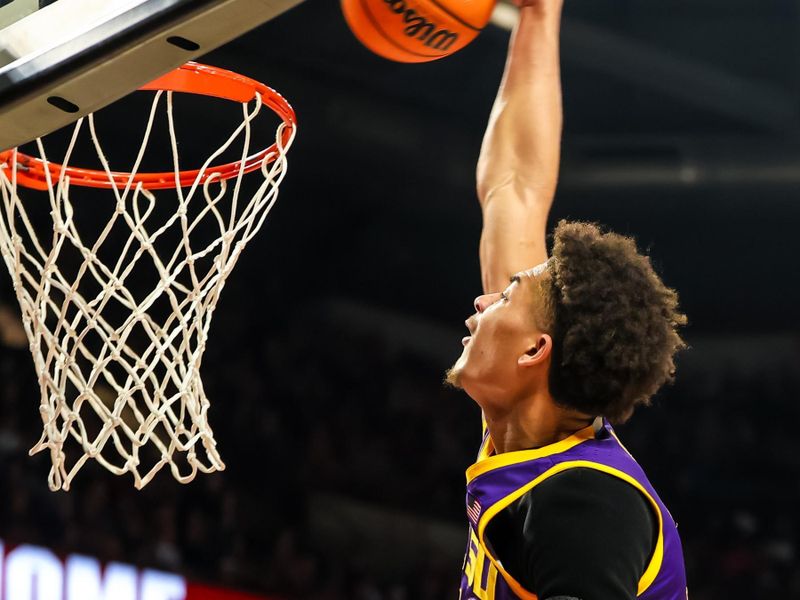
522	144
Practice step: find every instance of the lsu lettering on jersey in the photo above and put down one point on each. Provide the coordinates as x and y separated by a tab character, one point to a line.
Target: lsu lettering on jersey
495	481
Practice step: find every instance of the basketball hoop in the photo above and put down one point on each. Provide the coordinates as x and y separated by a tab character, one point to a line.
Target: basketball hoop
119	380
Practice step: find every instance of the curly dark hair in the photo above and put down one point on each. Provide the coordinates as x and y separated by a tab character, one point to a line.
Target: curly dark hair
613	321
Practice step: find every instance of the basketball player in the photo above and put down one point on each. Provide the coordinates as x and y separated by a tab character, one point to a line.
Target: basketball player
558	349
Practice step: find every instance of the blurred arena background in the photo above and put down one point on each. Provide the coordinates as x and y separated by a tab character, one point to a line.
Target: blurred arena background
345	455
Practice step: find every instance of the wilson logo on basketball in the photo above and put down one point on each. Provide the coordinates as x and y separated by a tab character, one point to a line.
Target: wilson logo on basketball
421	28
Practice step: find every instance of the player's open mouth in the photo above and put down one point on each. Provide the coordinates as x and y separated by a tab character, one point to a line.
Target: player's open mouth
466	340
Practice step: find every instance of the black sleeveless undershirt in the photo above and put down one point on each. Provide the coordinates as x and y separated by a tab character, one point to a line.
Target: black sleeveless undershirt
579	534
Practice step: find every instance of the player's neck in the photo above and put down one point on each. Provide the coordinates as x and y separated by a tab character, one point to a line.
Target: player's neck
532	424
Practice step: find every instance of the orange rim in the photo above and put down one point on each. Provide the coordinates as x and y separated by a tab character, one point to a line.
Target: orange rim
192	78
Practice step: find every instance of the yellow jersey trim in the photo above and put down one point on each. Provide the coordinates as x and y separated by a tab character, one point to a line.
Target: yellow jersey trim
656	560
486	462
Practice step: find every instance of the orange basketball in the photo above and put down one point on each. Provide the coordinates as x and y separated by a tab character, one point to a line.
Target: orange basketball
416	30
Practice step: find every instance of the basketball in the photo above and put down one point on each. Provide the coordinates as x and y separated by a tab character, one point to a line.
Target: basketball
414	31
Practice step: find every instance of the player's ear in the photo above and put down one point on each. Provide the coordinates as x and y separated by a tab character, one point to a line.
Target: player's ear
538	353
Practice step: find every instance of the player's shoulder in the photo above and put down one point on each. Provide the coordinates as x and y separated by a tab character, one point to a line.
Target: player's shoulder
584	525
590	506
585	478
590	491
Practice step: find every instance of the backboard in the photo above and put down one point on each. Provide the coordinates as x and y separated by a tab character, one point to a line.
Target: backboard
62	59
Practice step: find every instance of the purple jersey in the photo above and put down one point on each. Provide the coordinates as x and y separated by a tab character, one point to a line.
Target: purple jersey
495	481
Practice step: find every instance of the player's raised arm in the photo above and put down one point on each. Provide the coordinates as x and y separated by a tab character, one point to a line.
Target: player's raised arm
518	165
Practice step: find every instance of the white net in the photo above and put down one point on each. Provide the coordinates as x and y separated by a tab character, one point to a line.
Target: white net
118	317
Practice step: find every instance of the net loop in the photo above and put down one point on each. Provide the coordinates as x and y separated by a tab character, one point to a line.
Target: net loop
119	361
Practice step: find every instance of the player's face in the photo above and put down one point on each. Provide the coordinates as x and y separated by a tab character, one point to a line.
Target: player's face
502	331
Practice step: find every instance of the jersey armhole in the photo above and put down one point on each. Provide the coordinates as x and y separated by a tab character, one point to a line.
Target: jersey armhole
651	570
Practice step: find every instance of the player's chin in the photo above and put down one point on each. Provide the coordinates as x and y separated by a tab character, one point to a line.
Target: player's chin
452	377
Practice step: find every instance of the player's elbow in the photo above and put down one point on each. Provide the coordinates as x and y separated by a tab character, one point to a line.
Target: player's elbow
490	185
515	186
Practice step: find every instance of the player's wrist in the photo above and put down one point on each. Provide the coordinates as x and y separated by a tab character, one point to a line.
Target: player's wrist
539	3
540	7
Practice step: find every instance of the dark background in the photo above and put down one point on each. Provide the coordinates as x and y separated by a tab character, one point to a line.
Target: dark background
682	125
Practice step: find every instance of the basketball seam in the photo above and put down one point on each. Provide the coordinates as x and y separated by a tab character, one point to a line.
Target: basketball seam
454	16
385	36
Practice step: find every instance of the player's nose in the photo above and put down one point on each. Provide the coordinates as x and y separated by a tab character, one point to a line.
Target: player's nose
485	301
